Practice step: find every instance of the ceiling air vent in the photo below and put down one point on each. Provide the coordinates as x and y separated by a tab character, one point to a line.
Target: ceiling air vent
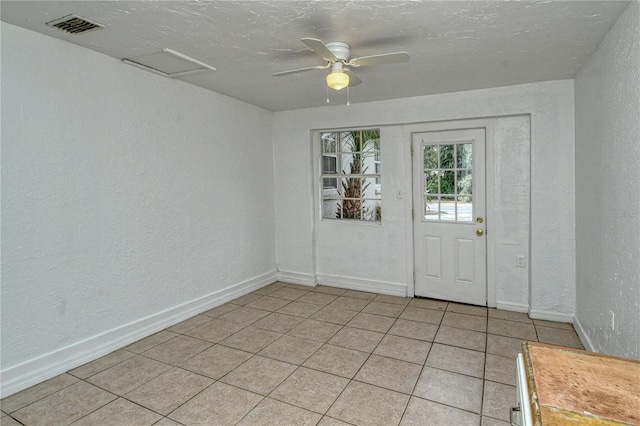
74	24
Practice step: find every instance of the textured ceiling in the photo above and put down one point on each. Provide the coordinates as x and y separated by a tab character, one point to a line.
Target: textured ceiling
454	45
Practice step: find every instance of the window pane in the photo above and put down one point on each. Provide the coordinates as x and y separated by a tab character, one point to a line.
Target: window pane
329	183
465	182
328	164
431	208
447	208
465	209
447	182
329	143
430	154
464	155
431	182
372	210
446	157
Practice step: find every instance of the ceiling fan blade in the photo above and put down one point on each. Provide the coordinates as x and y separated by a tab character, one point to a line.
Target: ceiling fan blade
318	67
354	80
319	48
385	58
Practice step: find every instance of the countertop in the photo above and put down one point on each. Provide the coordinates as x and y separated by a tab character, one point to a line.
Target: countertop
574	387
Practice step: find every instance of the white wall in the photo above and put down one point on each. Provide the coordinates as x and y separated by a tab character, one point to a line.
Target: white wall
552	253
607	93
129	202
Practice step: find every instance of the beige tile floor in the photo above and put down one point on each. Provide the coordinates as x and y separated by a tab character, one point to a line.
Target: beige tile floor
293	355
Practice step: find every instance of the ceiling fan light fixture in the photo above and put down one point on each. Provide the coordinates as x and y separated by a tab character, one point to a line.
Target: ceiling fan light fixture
337	80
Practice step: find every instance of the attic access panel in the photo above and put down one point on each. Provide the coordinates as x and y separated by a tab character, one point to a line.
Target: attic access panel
169	63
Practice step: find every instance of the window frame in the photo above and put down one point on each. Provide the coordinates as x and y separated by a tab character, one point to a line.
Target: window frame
370	198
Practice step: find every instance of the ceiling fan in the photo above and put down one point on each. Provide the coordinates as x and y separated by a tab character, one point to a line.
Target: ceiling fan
338	57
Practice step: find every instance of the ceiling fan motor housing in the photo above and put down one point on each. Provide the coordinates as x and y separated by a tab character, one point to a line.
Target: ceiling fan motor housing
341	50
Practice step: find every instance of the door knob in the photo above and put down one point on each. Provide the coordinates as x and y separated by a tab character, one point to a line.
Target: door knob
479	220
479	232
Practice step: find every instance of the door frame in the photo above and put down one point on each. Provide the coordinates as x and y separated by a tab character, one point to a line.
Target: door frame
487	125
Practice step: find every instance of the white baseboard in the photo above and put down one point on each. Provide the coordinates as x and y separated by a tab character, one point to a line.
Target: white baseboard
296	278
44	367
383	287
551	316
582	334
510	306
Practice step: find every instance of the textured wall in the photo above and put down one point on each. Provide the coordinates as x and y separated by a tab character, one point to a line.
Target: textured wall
608	190
124	194
552	252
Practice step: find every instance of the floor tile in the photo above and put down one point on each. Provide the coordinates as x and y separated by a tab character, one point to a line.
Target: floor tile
220	310
120	412
497	400
150	342
169	390
510	316
268	303
355	338
557	336
422	315
300	309
372	322
504	346
247	298
365	404
259	374
349	303
219	404
251	339
517	330
404	349
360	294
289	293
101	364
414	330
438	305
280	323
316	298
457	360
553	324
329	421
384	298
244	316
449	388
461	338
330	290
460	308
216	361
381	308
468	322
64	406
293	350
500	369
310	389
270	288
337	360
128	375
215	330
271	412
315	330
187	325
334	315
389	373
489	421
37	392
421	412
6	420
166	422
176	350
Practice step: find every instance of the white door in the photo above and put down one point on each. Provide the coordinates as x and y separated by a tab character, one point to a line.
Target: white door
449	211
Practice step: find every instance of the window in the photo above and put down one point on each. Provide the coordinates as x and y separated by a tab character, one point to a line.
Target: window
351	175
448	180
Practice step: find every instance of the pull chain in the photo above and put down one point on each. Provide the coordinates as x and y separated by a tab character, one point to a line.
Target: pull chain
348	96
